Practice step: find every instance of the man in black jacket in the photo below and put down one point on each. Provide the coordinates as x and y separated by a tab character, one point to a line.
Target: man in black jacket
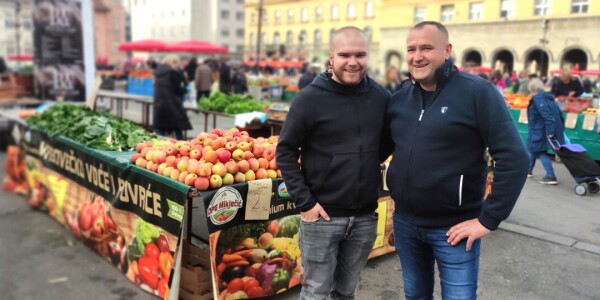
441	124
334	127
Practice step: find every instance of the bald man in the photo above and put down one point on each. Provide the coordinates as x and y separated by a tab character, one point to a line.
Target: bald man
334	125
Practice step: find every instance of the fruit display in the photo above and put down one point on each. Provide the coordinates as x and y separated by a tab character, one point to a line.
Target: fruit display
516	101
231	104
211	160
258	259
574	104
149	259
95	129
590	111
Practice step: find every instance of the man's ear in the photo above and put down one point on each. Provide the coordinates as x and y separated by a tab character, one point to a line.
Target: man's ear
448	50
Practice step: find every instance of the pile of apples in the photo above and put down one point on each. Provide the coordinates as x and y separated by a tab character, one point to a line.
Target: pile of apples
211	160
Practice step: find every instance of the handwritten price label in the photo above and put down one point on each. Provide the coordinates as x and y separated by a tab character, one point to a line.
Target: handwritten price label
259	199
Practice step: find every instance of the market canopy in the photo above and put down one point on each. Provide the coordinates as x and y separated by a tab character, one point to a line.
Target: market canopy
276	63
21	57
143	46
590	72
195	46
554	72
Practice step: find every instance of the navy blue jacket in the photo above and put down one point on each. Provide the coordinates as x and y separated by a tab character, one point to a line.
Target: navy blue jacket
335	130
544	118
438	172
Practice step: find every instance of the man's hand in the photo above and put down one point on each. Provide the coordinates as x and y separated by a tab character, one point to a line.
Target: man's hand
470	229
314	213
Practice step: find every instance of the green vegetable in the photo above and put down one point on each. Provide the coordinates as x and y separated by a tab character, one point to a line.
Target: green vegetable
289	226
231	104
231	237
281	278
144	234
98	130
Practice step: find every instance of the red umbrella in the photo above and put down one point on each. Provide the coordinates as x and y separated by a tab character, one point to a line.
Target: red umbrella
590	72
143	46
195	46
21	57
484	69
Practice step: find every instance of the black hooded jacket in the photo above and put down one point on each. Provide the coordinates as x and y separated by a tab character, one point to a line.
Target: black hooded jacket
335	130
169	88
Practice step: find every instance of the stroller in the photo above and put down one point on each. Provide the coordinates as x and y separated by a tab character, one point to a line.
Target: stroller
582	167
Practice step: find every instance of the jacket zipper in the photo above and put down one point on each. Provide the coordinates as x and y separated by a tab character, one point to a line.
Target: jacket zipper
423	109
356	205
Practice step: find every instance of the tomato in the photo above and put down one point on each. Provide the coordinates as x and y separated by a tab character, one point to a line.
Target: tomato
163	287
249	284
237	284
256	291
110	223
152	250
85	217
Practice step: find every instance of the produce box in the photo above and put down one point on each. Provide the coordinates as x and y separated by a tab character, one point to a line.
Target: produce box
278	111
195	273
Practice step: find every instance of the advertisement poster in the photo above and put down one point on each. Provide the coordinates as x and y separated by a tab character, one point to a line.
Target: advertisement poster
126	217
254	238
59	71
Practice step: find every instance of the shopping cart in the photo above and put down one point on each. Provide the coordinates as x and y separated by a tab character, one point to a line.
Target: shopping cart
582	167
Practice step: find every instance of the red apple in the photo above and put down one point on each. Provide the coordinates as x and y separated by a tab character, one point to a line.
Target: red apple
207	142
218	143
217	131
172	150
271	174
210	156
215	181
201	183
196	154
269	153
258	151
273	165
232	167
261	173
248	155
193	167
167	171
141	162
140	146
205	169
161	168
223	155
182	176
175	174
219	169
135	157
190	179
243	166
231	146
263	163
184	150
254	166
170	161
213	136
244	146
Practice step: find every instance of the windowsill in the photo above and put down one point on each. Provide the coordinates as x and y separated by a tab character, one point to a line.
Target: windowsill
369	18
351	19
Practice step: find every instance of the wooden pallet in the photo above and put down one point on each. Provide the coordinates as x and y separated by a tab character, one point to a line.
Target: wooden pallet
196	281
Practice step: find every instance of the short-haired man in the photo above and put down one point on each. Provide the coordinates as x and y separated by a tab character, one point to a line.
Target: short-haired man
334	127
441	124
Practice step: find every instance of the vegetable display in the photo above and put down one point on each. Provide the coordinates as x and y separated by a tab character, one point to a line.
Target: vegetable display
231	104
95	129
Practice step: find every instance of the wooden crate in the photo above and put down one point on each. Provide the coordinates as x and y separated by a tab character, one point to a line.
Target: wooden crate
196	281
276	115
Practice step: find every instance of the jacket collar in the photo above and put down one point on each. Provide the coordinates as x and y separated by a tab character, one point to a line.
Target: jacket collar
443	74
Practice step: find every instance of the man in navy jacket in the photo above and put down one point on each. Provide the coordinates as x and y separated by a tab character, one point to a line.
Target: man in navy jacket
334	127
441	124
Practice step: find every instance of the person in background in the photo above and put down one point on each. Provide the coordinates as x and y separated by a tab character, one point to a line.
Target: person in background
190	69
203	80
3	70
225	76
169	116
544	121
335	125
567	85
239	82
587	85
498	80
307	78
441	124
521	85
391	79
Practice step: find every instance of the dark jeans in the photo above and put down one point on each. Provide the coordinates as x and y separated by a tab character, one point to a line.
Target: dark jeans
334	253
201	94
546	162
420	247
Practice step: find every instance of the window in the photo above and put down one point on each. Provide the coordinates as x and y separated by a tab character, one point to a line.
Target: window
239	16
276	38
335	12
542	7
10	48
224	32
368	32
369	11
239	48
580	6
277	16
253	18
239	33
264	38
476	11
317	37
331	34
252	39
26	23
302	38
419	15
319	13
304	15
507	8
351	11
9	22
289	38
116	36
290	15
447	13
225	14
265	17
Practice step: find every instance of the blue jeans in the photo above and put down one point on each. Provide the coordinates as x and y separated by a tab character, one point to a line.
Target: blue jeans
334	253
546	162
420	247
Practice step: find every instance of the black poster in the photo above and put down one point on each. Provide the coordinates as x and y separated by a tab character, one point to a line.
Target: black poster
58	43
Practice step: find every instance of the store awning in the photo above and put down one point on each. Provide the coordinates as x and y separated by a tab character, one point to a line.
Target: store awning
21	57
590	72
195	46
143	46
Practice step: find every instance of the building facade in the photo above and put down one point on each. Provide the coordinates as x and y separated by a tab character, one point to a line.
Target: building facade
302	29
507	35
109	30
15	25
217	21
